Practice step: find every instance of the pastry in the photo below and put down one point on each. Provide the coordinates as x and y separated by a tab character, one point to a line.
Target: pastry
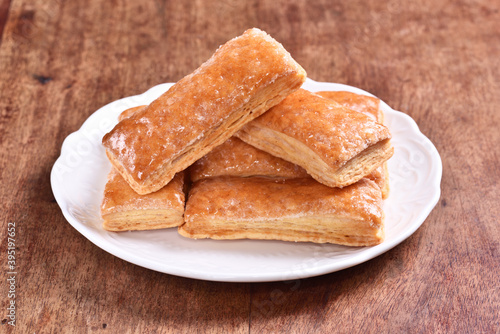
244	78
284	209
335	145
123	209
369	106
237	158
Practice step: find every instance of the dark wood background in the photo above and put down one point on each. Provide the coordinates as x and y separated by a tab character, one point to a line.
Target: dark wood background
438	61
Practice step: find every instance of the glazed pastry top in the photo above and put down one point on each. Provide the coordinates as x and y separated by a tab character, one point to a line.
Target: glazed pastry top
368	105
333	132
256	198
200	102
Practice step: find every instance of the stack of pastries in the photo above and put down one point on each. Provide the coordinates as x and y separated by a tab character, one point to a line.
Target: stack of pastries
238	150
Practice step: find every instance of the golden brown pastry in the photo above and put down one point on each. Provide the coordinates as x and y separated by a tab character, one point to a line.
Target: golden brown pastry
369	106
238	158
245	77
284	209
129	112
335	145
123	209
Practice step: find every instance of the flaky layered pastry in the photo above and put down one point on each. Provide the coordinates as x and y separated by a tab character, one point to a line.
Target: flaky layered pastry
123	209
245	77
237	158
335	145
369	106
284	209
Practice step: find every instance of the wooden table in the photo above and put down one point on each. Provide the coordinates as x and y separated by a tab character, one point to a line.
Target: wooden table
438	61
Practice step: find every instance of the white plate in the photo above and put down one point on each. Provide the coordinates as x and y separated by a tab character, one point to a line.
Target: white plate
79	175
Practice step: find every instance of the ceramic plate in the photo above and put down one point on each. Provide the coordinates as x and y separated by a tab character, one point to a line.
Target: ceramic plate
79	175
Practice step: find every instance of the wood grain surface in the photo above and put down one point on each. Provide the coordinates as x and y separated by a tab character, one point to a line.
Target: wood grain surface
438	61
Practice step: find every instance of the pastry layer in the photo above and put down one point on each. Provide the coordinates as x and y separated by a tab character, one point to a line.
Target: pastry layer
286	209
370	106
244	78
335	145
237	158
123	209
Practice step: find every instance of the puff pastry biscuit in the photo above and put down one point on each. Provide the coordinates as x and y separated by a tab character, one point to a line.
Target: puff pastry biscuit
284	209
237	158
245	77
335	145
123	209
369	106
